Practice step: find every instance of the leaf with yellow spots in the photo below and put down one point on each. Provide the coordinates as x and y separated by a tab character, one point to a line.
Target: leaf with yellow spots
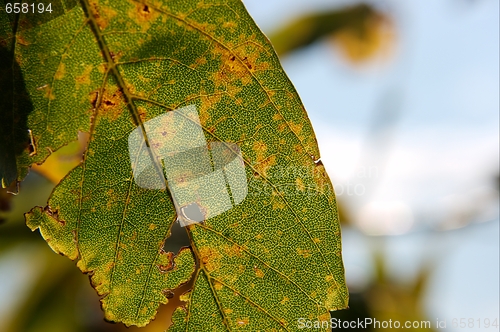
109	67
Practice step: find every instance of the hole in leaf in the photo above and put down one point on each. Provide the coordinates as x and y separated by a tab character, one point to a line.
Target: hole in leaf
193	212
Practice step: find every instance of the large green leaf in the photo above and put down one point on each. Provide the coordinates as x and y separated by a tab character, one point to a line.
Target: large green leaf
107	67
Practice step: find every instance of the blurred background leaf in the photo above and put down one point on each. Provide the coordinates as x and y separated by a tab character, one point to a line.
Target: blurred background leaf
359	30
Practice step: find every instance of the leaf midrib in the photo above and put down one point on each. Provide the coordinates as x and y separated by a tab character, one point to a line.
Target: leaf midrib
111	67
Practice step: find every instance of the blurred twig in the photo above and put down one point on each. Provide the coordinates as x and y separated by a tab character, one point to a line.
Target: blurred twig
353	25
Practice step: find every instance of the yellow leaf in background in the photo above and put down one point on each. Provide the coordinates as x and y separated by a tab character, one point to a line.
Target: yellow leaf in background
63	160
375	37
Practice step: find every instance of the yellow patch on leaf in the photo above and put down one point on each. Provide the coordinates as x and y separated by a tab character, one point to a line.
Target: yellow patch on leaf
210	258
84	78
304	252
258	272
277	117
296	128
263	166
208	103
61	71
300	184
49	93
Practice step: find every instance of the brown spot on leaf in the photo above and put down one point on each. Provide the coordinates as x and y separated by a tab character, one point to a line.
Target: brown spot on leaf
299	148
264	165
210	258
231	69
143	15
209	28
232	90
324	317
93	97
169	294
21	41
259	147
167	262
232	251
263	162
115	56
250	53
111	199
102	14
199	62
54	214
142	113
112	103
